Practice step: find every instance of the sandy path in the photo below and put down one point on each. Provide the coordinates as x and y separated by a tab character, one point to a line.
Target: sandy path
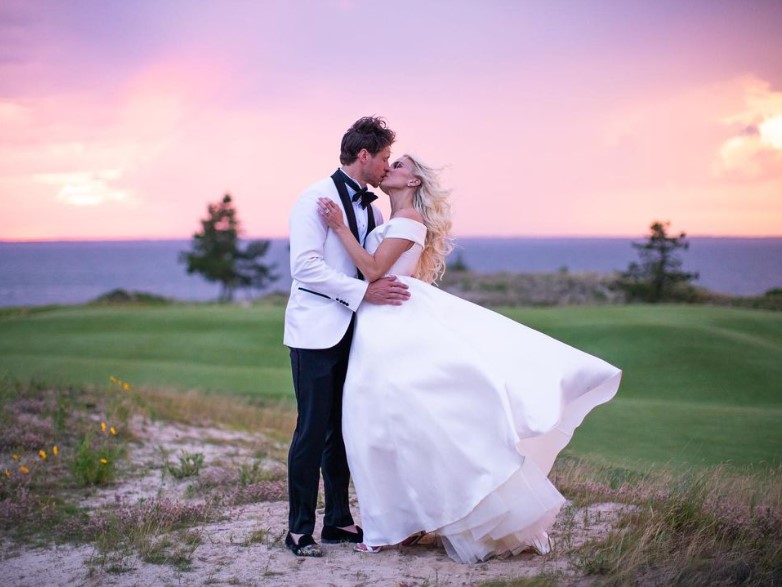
231	552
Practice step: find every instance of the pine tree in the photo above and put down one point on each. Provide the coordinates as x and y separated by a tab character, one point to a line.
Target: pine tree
658	276
217	256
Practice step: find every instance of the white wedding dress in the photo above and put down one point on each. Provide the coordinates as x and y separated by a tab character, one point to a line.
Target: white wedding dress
453	416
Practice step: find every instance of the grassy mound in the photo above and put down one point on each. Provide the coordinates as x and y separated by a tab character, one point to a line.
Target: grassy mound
701	384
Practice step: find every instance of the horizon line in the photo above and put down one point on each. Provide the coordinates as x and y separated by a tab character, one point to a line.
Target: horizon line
470	236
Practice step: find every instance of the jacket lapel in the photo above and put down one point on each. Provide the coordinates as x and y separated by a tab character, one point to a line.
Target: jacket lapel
346	203
349	212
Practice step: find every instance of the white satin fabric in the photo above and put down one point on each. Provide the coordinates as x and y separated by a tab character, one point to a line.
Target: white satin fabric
453	416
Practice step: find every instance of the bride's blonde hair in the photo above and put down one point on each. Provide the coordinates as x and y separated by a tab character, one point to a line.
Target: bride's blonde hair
431	201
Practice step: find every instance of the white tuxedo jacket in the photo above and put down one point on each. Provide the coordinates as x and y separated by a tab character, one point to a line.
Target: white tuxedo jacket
325	290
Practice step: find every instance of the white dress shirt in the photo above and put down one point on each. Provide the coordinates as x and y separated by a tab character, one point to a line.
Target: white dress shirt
360	213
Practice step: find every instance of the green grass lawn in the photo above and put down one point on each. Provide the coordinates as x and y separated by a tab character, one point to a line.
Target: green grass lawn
702	385
208	347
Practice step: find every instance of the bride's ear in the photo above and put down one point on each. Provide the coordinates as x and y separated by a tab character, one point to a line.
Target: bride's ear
414	183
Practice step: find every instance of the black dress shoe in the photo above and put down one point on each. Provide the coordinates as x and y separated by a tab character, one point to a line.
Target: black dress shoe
306	546
335	535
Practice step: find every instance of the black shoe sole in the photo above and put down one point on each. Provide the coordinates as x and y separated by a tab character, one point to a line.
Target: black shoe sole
303	551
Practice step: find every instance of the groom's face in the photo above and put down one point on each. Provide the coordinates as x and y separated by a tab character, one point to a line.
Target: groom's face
376	167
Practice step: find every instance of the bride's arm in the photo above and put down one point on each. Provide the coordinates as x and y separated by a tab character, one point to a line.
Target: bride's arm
371	266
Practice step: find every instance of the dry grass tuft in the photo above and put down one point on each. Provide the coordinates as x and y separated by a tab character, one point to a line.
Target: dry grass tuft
533	289
200	409
709	527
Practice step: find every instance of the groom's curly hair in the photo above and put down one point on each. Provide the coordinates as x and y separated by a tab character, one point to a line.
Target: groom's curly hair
370	133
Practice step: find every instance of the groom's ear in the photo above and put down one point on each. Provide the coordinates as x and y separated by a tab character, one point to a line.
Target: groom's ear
363	155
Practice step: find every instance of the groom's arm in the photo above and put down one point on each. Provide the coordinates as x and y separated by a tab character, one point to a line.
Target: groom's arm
308	266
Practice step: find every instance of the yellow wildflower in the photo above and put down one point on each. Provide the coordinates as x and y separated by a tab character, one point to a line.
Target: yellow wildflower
15	457
113	379
113	431
104	461
55	450
7	473
103	426
24	469
42	454
126	386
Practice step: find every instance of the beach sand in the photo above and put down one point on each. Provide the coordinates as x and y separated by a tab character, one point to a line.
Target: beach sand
245	547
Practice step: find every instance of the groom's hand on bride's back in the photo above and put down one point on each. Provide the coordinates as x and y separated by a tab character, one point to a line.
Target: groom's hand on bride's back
387	290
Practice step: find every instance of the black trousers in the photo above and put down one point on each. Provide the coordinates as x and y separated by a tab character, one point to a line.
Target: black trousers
318	379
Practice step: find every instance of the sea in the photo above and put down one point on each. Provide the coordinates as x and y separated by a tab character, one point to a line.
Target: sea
43	273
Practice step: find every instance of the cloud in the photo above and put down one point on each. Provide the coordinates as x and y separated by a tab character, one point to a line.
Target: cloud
754	150
83	146
771	132
87	188
750	131
13	114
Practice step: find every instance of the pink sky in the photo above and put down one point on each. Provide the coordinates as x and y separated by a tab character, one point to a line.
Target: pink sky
571	118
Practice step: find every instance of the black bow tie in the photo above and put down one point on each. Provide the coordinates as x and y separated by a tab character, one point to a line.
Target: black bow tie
365	196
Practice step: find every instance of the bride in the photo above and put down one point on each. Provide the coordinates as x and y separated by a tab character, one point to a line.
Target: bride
453	414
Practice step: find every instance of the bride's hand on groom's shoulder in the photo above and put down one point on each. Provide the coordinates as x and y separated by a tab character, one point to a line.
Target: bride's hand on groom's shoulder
330	212
387	291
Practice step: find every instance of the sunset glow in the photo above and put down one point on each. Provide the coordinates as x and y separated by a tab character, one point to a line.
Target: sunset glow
124	120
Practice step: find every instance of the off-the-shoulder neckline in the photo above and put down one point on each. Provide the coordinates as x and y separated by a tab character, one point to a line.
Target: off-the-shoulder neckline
398	218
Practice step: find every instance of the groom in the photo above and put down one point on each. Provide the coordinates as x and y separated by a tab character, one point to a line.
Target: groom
326	291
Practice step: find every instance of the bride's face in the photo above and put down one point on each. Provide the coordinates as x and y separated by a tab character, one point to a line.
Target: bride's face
400	175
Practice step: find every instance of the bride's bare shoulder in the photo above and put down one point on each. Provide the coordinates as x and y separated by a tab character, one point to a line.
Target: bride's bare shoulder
409	213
